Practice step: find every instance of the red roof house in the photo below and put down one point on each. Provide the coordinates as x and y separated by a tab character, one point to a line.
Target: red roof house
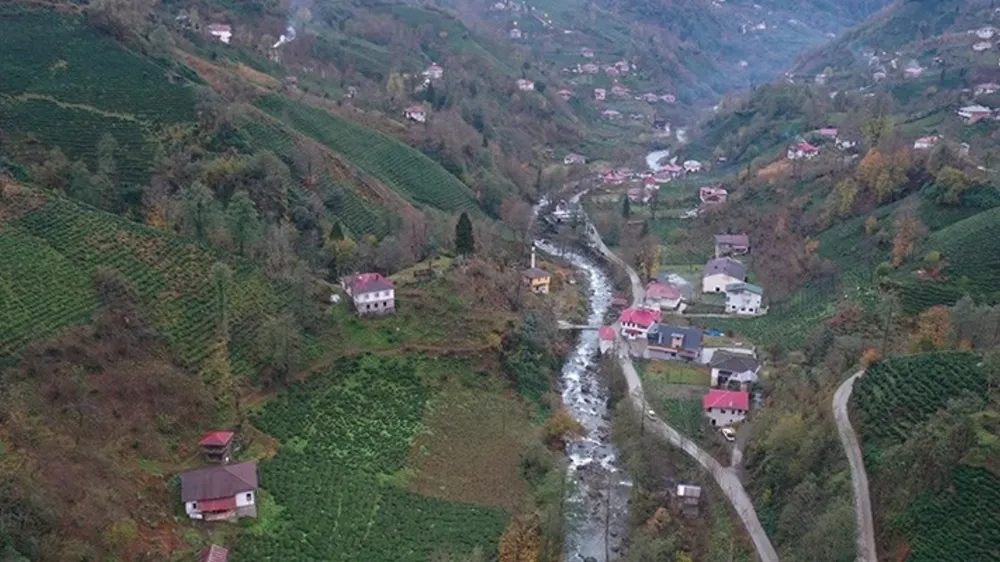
217	446
217	438
371	292
663	296
636	322
606	333
726	407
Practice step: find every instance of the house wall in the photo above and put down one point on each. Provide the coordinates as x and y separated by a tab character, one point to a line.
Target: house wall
633	331
663	304
744	376
721	417
743	303
656	352
375	302
192	510
717	283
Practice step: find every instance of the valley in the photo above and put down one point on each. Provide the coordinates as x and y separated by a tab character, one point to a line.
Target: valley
469	281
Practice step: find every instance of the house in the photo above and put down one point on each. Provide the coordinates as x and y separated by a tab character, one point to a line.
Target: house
692	166
673	342
565	211
214	553
674	170
590	68
669	98
688	495
721	272
416	113
622	66
662	296
525	85
610	70
879	75
538	280
821	79
371	293
565	94
514	33
802	150
290	83
221	31
844	144
984	32
587	53
986	89
913	70
217	493
662	176
217	446
731	245
574	158
606	339
734	368
636	322
744	299
827	132
926	143
434	72
649	97
611	114
600	94
974	113
982	46
725	407
619	90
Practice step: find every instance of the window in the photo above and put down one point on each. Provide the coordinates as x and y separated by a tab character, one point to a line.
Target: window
194	505
249	497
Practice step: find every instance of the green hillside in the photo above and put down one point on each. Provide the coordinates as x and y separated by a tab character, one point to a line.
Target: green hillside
54	249
933	408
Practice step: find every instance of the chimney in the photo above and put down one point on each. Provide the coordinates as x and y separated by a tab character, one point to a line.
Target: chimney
532	256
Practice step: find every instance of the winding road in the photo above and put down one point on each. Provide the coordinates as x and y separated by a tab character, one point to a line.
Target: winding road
726	478
859	477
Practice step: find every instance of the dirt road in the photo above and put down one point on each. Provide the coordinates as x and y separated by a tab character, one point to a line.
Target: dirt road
859	476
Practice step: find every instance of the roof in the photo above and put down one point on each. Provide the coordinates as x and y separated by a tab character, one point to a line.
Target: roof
662	333
220	27
734	399
728	266
733	239
415	109
218	481
748	287
606	333
639	316
735	362
657	290
217	438
827	132
805	147
688	491
214	553
976	109
535	273
367	283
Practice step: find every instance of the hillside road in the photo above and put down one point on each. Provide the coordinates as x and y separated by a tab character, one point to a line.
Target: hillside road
859	476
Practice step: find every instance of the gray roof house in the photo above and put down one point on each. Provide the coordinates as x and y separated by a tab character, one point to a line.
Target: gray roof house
721	272
673	342
220	492
730	367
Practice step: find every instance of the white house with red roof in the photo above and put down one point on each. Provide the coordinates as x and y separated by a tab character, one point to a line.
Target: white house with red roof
827	132
725	407
611	114
802	150
371	293
587	53
926	143
219	493
606	337
221	31
525	85
636	322
619	90
600	94
565	94
712	195
590	68
217	446
663	296
416	113
434	71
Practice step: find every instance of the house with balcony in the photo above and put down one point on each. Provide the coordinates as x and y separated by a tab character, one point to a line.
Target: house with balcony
371	293
744	299
664	341
725	407
220	493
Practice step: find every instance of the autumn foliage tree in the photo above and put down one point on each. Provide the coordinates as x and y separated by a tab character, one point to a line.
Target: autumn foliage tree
934	329
519	543
909	231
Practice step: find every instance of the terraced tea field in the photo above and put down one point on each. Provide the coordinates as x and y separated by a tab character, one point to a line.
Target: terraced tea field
53	251
404	169
344	435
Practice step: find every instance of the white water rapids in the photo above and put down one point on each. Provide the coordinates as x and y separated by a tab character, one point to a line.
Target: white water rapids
599	497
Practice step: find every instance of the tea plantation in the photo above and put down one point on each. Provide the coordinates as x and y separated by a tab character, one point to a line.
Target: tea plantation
406	170
48	265
889	403
337	481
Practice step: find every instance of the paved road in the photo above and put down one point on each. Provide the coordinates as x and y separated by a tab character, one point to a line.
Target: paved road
726	478
859	477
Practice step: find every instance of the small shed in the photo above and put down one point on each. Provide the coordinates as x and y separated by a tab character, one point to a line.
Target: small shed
214	553
688	499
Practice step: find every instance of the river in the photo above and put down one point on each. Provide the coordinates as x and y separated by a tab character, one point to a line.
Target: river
599	497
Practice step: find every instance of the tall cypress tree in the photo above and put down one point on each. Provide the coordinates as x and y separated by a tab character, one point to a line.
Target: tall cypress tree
465	244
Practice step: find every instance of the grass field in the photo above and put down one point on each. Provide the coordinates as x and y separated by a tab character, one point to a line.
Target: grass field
339	481
675	372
